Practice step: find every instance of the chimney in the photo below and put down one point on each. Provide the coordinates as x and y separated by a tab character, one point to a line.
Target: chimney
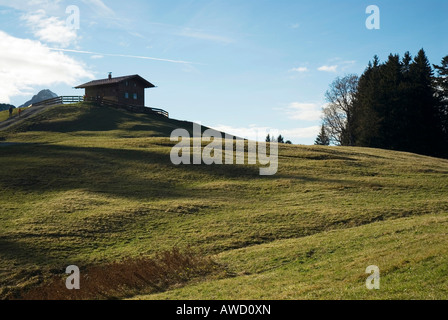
110	75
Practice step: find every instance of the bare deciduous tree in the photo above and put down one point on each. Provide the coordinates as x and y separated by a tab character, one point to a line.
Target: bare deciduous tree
339	110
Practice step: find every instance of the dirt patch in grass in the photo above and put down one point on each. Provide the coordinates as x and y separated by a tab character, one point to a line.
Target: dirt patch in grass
129	277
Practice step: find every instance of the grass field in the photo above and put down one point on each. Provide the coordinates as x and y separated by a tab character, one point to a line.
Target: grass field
4	115
93	186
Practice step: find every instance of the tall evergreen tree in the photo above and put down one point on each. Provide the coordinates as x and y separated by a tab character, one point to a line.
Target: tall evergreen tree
389	107
322	139
396	106
405	126
365	116
442	79
280	139
441	87
423	108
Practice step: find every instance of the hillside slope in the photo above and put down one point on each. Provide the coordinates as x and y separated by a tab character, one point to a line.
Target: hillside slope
89	117
90	186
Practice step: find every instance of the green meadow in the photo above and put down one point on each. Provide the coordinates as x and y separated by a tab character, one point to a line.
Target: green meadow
93	186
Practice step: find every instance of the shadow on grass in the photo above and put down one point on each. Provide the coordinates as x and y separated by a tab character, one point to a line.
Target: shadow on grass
20	251
138	174
135	174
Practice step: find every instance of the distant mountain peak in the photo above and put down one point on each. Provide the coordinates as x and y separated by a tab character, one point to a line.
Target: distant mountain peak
41	96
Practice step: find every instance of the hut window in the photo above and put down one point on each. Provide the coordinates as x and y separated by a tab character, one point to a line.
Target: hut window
135	96
126	95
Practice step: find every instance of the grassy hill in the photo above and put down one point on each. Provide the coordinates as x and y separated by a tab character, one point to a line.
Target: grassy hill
95	187
4	113
5	106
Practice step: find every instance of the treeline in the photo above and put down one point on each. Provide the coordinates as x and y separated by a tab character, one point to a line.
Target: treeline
401	104
280	139
4	106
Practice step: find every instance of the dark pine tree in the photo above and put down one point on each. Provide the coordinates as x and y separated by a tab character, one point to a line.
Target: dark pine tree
441	87
405	126
426	127
322	139
389	107
442	79
280	139
399	105
366	118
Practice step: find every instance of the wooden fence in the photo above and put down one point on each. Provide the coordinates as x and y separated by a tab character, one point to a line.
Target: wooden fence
59	100
101	102
137	109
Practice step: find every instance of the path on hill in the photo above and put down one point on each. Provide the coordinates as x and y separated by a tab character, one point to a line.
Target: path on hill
26	113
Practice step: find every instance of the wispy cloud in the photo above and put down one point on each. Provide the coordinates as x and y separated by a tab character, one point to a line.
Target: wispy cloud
50	30
196	34
187	32
137	34
27	63
100	8
300	69
337	65
345	65
297	134
120	55
303	111
32	5
326	68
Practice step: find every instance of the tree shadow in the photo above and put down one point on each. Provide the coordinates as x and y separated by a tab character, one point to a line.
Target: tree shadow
143	175
137	174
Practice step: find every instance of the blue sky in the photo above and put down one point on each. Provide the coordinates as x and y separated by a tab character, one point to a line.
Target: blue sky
235	65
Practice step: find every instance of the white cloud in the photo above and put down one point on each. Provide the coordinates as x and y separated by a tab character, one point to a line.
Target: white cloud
295	26
259	133
303	111
294	111
50	29
295	135
328	68
27	63
42	2
300	69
